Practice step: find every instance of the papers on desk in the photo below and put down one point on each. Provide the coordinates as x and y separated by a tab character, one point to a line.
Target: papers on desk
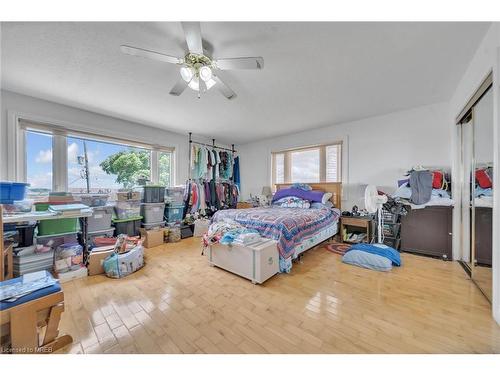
24	285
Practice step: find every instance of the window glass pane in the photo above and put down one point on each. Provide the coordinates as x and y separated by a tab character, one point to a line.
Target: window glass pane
38	163
105	167
332	163
305	166
165	168
279	168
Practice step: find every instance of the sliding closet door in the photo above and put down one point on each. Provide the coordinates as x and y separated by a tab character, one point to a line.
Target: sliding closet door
466	179
482	114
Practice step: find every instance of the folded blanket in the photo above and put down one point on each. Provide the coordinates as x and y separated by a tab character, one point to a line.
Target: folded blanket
379	249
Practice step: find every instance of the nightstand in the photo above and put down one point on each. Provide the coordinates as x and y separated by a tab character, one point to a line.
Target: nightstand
363	224
242	205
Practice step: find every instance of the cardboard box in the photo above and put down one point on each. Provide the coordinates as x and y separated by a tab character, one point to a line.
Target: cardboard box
96	259
128	196
152	238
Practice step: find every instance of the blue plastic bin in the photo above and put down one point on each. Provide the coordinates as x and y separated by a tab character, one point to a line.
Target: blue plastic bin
18	191
174	213
5	187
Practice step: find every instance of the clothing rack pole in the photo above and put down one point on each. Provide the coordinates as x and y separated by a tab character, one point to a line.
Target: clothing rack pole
189	158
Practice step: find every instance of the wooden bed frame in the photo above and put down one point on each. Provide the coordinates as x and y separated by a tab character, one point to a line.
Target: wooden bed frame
328	187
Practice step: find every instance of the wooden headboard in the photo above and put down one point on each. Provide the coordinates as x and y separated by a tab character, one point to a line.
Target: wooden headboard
328	187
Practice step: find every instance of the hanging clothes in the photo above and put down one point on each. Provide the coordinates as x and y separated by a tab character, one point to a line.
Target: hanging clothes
236	171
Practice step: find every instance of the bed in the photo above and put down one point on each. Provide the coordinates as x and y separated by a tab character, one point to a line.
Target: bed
295	229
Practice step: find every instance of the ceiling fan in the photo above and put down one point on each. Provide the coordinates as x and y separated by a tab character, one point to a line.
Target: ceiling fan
198	70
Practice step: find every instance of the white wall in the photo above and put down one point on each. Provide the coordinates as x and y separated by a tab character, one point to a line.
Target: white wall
379	150
486	59
94	122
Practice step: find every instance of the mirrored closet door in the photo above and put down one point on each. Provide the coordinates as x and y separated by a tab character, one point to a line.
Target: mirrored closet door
482	117
476	186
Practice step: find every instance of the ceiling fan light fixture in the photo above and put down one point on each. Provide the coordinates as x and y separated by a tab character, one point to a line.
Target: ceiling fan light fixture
205	73
187	73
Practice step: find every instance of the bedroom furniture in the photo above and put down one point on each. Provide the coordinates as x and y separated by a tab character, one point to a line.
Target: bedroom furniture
475	142
428	231
391	229
33	326
257	262
363	224
243	205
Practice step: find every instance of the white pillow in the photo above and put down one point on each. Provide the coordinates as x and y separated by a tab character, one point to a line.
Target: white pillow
326	197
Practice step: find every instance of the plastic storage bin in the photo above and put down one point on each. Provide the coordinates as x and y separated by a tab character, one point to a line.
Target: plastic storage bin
94	200
93	237
18	191
127	209
174	213
100	219
56	240
174	233
25	205
152	212
55	226
26	234
153	194
130	227
175	195
5	187
68	257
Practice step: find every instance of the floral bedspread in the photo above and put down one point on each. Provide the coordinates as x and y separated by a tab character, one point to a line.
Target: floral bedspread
288	226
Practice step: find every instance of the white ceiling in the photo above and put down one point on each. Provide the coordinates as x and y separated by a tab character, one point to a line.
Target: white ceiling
315	74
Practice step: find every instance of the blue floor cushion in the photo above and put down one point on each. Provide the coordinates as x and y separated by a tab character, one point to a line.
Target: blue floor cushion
367	260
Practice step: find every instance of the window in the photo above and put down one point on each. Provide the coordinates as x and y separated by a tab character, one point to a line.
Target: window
307	164
165	162
38	164
104	167
53	158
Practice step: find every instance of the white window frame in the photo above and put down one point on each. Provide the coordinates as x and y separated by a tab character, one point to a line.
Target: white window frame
322	162
16	155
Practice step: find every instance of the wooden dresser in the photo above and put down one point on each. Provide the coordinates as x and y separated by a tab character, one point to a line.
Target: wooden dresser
428	231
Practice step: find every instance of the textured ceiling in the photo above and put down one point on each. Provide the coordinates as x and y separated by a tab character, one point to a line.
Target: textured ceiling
315	74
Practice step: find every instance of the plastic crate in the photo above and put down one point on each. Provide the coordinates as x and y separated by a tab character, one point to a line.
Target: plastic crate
174	213
55	226
5	187
152	212
153	194
175	194
94	200
100	219
106	233
129	227
127	209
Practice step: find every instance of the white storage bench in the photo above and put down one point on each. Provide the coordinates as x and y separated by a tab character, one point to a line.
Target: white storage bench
257	261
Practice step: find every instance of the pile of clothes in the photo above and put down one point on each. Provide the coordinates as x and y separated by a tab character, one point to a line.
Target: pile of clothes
424	187
228	232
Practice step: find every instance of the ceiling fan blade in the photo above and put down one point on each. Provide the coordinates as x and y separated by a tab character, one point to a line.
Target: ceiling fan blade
134	51
240	63
223	88
179	87
192	32
202	86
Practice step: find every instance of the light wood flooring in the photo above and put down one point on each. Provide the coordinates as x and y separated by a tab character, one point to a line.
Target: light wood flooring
179	304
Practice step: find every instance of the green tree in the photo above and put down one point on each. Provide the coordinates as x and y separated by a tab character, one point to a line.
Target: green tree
164	168
128	166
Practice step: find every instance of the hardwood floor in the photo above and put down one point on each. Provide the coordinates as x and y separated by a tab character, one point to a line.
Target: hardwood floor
179	304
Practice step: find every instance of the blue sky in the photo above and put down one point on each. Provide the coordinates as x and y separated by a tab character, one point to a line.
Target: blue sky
39	162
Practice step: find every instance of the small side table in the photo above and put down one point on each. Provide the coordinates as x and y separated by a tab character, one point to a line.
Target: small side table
360	223
243	205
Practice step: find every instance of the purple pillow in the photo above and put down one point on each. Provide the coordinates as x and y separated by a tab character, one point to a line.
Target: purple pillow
312	195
